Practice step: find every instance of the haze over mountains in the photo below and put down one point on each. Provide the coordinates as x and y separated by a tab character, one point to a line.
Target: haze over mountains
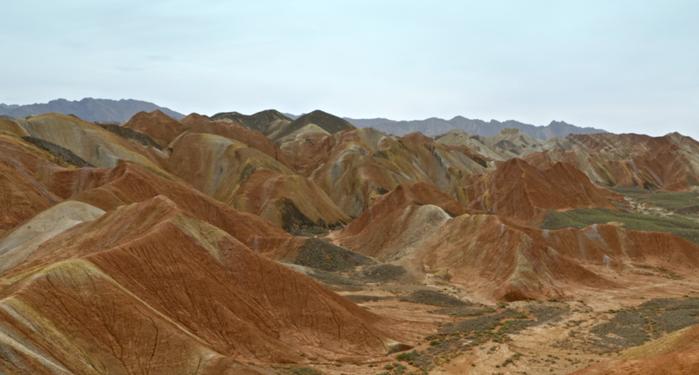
90	109
436	126
119	111
264	244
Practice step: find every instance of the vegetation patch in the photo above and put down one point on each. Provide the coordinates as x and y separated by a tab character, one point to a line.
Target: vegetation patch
296	223
468	310
304	371
673	201
434	298
361	298
547	313
648	321
322	255
491	325
681	226
383	272
394	369
483	325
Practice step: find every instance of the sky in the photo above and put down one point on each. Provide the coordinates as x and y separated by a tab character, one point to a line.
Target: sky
625	66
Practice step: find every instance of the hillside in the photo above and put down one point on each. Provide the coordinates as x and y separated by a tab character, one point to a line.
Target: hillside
266	244
272	121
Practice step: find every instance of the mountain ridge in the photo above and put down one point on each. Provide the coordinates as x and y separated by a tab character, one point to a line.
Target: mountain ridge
89	109
120	111
434	126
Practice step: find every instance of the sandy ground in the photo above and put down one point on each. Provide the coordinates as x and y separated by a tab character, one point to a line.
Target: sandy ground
557	347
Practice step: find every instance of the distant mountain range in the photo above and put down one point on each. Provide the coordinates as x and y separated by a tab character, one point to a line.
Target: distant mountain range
436	126
90	109
120	111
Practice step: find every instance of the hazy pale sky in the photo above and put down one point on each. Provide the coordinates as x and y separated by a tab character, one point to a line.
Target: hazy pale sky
626	66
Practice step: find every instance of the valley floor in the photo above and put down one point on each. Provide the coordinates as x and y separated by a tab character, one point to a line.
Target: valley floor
451	337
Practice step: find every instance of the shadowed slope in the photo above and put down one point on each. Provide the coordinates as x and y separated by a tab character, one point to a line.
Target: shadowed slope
90	142
363	163
250	180
293	202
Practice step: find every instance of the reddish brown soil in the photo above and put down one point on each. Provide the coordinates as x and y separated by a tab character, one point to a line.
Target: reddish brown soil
202	124
157	125
22	191
630	160
508	262
521	191
193	266
168	292
384	227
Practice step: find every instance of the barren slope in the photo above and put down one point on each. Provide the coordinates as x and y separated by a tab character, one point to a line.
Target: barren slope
670	162
137	296
90	142
362	164
250	180
518	190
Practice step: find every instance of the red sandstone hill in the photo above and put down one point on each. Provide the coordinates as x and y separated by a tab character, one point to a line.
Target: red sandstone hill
518	190
130	183
83	143
22	192
148	288
398	220
118	255
157	125
497	258
164	130
670	162
363	163
245	178
229	129
510	262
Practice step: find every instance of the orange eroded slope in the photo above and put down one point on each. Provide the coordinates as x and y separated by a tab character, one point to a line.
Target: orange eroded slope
250	180
521	191
670	162
399	219
23	171
130	183
167	292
